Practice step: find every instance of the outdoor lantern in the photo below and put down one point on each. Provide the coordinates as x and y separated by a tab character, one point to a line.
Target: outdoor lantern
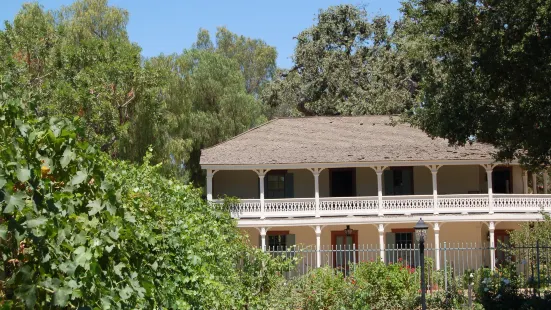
348	230
420	233
421	230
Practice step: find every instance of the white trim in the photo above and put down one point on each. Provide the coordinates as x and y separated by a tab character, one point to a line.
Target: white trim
357	164
357	220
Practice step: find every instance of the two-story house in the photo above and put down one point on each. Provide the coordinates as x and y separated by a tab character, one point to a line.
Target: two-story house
305	180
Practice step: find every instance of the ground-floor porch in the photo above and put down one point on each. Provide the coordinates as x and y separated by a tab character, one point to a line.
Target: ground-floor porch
460	242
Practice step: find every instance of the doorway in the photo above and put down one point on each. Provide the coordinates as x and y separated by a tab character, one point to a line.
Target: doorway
501	180
343	182
344	247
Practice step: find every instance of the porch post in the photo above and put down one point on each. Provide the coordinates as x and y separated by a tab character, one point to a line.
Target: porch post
489	169
525	181
210	175
381	229
263	238
261	174
492	227
316	172
437	245
545	180
379	171
318	246
434	171
534	183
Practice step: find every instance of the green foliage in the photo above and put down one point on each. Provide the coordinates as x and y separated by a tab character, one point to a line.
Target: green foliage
78	229
483	71
346	64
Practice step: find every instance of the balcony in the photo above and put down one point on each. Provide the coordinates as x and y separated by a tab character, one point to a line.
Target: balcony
391	205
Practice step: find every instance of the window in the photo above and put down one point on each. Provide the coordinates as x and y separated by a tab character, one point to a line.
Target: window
404	240
398	181
279	241
275	185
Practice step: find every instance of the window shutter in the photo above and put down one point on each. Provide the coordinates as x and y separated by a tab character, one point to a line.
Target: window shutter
388	176
390	245
289	185
407	182
289	240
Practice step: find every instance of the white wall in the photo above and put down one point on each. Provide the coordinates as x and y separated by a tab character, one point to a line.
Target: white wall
236	183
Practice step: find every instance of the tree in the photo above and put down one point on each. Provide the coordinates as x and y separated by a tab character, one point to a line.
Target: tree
256	59
80	61
206	103
344	65
485	74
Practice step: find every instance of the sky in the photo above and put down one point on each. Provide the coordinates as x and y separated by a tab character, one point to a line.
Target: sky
163	26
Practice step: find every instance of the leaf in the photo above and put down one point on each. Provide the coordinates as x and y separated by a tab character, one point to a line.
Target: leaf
3	231
27	293
23	174
82	256
118	269
114	234
15	200
79	177
95	207
36	222
68	155
125	293
61	296
2	182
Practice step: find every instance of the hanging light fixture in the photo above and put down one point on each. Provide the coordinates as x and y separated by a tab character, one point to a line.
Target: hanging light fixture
348	231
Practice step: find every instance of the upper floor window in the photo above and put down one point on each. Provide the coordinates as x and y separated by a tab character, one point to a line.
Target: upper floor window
398	181
275	185
278	184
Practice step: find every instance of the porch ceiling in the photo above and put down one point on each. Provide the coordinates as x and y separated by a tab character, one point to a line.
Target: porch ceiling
337	140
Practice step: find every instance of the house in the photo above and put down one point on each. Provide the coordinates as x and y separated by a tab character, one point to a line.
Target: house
306	180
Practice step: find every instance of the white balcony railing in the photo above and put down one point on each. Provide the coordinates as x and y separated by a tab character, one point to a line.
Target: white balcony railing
390	205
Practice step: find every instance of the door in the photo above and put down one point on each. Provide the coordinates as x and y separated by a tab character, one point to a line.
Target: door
344	246
343	182
501	180
501	239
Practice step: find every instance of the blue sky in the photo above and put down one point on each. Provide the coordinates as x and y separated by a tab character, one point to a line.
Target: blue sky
163	26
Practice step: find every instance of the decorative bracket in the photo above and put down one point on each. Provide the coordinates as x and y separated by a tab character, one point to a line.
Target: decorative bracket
378	169
489	167
315	171
211	172
434	168
261	172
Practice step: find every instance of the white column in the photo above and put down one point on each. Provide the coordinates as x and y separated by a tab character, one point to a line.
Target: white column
525	181
263	231
489	169
379	172
545	180
210	175
492	227
534	183
434	171
381	229
316	172
262	212
318	246
437	245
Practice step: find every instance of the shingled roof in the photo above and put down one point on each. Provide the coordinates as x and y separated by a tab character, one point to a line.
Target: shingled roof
337	140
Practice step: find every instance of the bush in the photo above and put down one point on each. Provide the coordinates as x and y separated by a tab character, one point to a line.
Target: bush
78	229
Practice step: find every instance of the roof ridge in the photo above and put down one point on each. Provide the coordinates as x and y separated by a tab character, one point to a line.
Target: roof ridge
244	132
335	116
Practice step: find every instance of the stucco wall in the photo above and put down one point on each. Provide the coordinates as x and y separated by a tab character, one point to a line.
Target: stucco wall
422	181
236	183
518	185
366	182
458	179
303	183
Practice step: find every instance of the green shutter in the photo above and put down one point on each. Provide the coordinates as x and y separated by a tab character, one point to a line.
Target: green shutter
289	185
388	179
390	245
290	240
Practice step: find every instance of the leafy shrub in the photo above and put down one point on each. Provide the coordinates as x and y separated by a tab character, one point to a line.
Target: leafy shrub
80	230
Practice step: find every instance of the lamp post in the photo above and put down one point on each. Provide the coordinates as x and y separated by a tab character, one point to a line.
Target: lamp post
420	233
348	231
